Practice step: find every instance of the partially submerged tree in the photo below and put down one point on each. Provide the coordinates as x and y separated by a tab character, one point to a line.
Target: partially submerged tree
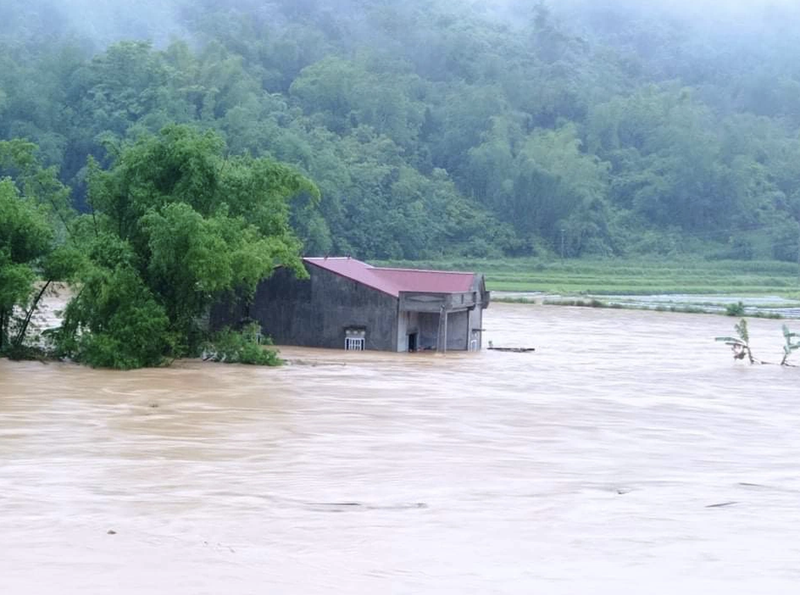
114	321
34	220
175	225
243	347
25	237
792	344
741	345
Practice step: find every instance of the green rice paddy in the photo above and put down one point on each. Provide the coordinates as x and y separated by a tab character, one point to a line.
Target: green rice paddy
630	277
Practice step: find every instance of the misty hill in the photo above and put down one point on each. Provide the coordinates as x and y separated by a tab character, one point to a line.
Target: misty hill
442	127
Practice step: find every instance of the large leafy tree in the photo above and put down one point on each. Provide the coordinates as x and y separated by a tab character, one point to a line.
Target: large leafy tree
174	226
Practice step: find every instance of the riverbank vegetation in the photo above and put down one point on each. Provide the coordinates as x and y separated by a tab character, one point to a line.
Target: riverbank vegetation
35	221
173	225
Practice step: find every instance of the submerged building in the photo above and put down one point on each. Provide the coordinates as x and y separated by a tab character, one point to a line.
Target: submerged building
349	304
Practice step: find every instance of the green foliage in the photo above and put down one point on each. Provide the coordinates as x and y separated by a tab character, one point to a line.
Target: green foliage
792	344
433	128
547	187
736	310
175	226
741	345
33	212
786	242
241	347
738	248
115	322
743	332
24	232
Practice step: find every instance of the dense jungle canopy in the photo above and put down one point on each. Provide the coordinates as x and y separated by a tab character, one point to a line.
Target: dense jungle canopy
442	127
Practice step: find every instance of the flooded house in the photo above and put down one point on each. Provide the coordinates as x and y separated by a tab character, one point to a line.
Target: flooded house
349	304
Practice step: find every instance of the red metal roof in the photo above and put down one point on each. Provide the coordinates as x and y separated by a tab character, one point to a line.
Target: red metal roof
393	281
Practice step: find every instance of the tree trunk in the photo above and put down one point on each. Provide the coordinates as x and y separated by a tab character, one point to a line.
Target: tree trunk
34	306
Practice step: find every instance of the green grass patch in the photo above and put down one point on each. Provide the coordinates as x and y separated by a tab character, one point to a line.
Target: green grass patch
630	276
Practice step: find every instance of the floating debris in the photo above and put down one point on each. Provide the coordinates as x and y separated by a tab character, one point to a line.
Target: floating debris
514	349
341	506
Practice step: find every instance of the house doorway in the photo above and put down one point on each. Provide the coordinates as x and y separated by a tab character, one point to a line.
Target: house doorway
413	339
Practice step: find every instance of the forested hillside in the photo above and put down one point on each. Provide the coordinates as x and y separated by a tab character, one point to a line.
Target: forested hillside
443	127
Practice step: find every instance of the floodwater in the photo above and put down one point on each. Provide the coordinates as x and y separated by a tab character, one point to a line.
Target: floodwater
630	453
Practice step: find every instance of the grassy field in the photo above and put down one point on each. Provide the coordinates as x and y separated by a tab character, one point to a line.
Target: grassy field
630	277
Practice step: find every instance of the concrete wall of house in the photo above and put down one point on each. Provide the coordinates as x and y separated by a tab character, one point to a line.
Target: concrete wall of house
476	326
458	331
402	332
345	303
316	312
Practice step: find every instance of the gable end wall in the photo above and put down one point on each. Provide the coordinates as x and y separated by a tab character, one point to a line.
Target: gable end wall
315	312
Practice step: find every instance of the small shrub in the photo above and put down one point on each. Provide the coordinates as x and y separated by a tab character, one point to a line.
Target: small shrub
242	347
736	310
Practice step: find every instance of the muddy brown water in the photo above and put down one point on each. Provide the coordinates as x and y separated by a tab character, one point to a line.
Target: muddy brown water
628	454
